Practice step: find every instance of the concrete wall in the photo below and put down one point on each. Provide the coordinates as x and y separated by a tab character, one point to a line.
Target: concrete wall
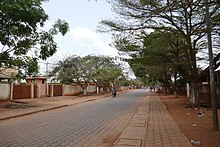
121	88
71	89
5	90
37	90
91	89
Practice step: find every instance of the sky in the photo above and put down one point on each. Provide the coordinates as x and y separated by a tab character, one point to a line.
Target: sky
82	39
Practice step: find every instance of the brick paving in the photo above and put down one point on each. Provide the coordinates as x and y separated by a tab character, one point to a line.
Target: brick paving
85	124
133	119
162	131
152	126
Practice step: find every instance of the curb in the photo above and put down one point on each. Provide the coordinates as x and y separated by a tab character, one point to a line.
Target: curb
135	132
56	107
33	112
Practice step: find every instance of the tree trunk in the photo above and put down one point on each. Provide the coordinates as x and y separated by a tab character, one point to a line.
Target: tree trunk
194	72
97	89
85	91
175	85
194	93
84	88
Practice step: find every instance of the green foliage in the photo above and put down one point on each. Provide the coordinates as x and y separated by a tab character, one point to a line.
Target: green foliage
99	69
28	64
20	19
158	57
106	75
20	34
60	26
132	82
184	19
151	80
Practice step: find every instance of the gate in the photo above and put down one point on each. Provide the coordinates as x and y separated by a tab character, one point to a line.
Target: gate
57	90
21	91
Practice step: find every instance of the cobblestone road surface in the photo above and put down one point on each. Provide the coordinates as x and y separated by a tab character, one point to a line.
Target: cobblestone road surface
86	124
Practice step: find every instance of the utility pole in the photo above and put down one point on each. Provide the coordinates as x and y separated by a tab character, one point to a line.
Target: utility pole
47	70
47	89
211	69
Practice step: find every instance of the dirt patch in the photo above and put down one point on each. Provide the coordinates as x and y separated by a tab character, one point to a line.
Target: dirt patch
17	106
196	124
108	141
5	105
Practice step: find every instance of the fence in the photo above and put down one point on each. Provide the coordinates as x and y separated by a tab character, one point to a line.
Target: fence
71	89
5	90
205	96
55	90
21	91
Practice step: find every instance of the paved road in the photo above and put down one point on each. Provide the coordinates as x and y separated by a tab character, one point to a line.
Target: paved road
88	124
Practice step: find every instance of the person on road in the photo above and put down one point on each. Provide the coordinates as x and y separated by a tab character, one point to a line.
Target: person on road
114	92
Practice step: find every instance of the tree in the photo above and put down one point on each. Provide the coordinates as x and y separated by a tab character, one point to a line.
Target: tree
72	69
20	23
104	76
83	70
105	70
186	18
155	55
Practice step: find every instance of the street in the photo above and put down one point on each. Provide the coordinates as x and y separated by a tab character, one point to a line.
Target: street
85	124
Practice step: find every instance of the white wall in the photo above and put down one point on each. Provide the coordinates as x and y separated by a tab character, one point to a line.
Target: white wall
75	89
91	88
123	88
71	89
4	91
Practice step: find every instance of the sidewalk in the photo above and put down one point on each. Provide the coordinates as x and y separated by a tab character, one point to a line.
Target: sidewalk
152	126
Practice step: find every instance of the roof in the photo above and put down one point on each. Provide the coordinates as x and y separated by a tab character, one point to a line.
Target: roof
34	78
8	72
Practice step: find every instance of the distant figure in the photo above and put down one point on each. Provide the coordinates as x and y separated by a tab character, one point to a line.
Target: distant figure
151	88
114	92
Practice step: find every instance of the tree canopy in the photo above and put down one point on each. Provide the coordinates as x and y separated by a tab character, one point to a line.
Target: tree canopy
184	19
99	69
22	39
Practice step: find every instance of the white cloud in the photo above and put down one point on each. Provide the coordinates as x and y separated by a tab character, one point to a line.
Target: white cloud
92	43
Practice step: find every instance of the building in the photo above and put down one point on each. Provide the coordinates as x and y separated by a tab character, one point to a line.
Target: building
7	74
40	83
